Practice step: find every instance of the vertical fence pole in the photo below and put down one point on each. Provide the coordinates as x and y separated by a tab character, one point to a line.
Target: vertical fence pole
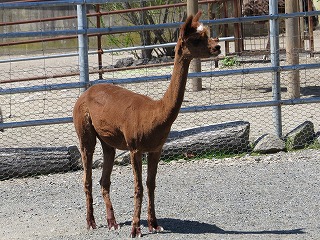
275	62
83	44
195	66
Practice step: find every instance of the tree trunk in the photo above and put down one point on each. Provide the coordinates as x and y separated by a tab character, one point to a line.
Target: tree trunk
292	48
23	162
145	35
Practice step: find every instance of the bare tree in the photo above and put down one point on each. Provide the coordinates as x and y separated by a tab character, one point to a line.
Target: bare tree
152	17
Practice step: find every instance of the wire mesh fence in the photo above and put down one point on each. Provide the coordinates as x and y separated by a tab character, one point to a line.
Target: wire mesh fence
212	122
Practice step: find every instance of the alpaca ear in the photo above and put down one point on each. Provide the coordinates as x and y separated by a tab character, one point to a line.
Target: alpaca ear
186	28
197	16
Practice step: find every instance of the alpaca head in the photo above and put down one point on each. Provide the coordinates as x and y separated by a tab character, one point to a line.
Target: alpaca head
194	40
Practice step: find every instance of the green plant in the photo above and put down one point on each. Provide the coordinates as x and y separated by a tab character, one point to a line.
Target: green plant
314	145
209	154
230	61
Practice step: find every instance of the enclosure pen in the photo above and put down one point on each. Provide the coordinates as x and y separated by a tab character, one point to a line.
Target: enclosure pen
56	50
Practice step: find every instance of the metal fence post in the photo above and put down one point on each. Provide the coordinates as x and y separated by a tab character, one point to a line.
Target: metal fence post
275	62
83	44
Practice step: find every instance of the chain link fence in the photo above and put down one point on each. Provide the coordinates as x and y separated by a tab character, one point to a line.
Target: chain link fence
39	63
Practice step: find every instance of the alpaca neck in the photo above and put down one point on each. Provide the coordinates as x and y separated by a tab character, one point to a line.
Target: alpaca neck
173	97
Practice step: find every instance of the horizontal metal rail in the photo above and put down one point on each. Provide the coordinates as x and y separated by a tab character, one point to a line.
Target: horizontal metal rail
121	29
25	4
127	49
167	77
230	106
57	3
217	107
109	13
35	122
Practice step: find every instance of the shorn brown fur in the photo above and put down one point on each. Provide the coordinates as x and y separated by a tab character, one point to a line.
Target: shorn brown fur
125	120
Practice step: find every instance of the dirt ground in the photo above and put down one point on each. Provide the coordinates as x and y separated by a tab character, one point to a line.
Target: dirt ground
271	197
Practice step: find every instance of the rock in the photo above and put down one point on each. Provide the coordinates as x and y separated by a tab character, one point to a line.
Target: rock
269	143
155	61
301	136
318	138
125	62
166	59
140	62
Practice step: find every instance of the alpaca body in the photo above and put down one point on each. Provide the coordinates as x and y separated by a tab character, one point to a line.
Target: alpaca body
145	114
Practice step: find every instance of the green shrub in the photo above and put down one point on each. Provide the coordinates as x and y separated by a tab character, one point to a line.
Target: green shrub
230	62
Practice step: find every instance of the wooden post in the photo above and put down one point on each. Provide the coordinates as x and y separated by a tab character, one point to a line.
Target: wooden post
292	48
310	28
237	27
301	26
195	65
225	26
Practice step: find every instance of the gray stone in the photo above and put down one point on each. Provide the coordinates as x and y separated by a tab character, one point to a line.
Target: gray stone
269	143
166	59
125	62
155	61
301	136
140	62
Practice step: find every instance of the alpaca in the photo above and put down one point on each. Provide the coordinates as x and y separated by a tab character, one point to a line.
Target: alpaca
125	120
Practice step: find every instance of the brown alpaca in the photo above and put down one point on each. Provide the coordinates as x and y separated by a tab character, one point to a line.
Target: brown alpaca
125	120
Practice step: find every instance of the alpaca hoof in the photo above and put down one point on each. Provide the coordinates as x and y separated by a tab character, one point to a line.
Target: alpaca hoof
91	224
156	230
135	232
112	225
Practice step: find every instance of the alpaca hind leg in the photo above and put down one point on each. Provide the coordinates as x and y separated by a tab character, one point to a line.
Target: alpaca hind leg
108	160
87	145
136	162
153	159
87	139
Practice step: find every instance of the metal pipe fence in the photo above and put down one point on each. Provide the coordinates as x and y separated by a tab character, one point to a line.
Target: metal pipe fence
237	82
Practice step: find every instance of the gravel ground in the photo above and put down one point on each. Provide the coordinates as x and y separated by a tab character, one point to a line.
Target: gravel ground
253	197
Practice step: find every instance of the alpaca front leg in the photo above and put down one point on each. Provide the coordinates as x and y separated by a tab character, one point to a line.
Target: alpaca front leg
153	159
136	162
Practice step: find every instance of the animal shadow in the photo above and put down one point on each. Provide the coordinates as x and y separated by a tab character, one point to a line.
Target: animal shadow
172	225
